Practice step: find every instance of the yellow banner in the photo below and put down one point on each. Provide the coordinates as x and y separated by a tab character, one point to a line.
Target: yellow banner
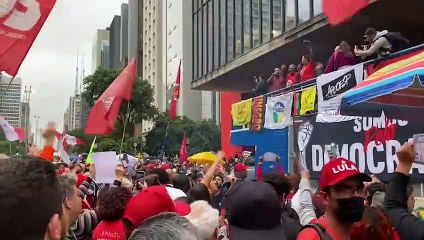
241	112
307	100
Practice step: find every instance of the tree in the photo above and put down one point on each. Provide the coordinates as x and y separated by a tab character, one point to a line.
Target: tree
202	135
141	106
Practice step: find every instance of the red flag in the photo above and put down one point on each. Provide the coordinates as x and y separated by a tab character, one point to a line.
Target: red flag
20	23
183	150
176	96
104	113
339	11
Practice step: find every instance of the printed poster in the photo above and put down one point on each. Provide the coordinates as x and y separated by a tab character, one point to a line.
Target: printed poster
307	100
332	86
258	112
278	111
241	112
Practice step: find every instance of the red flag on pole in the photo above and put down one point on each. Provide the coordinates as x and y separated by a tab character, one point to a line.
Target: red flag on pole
176	96
339	11
104	113
20	23
183	150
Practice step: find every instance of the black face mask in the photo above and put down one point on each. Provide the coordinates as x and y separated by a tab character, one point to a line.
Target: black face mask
349	210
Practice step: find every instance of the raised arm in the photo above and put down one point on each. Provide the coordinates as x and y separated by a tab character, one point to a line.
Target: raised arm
211	171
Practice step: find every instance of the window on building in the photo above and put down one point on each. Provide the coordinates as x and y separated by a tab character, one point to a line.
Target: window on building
230	30
200	43
277	17
195	49
266	21
317	7
216	33
210	36
246	25
256	23
223	14
238	27
290	14
205	40
304	10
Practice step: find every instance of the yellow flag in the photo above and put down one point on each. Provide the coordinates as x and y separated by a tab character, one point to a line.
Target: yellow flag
307	100
241	112
91	151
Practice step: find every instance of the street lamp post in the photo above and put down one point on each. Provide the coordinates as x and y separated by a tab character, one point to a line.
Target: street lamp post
135	149
27	99
36	117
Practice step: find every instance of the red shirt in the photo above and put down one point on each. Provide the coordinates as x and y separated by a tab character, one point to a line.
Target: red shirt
308	72
110	231
311	234
292	77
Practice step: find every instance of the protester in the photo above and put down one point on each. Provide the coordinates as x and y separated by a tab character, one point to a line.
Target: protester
204	218
165	226
182	182
253	212
240	172
308	65
275	82
407	225
71	204
341	58
164	180
342	189
292	75
111	206
302	201
217	198
382	43
30	200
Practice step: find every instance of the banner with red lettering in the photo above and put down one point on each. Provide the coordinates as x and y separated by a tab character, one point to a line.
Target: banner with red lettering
20	23
369	142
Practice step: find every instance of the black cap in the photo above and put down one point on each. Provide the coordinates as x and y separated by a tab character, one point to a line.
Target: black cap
254	212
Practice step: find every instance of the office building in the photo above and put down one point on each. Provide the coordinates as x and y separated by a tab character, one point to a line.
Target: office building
10	100
85	110
115	43
66	121
123	50
235	41
74	112
100	51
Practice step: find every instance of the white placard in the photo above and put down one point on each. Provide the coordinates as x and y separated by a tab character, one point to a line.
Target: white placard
332	86
105	166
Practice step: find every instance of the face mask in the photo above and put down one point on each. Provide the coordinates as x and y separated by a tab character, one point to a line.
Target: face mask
349	210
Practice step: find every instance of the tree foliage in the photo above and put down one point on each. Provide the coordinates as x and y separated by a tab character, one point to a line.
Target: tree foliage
141	106
202	135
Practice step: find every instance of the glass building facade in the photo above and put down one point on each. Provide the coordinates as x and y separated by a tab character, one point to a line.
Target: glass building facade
226	29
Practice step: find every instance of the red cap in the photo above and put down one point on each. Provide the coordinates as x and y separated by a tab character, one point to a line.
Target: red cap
239	167
105	228
182	208
165	166
148	203
337	170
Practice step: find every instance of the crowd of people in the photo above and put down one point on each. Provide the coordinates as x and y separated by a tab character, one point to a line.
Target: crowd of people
44	199
379	44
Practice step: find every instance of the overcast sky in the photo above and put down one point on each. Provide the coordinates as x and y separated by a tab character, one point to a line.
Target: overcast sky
50	64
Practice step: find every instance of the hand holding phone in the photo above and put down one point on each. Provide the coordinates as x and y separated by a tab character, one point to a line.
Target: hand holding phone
418	140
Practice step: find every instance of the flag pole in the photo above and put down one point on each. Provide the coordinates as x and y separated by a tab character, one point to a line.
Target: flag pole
10	149
127	116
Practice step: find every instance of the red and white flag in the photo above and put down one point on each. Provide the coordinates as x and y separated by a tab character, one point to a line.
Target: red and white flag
339	11
103	115
20	23
176	96
12	134
64	141
183	150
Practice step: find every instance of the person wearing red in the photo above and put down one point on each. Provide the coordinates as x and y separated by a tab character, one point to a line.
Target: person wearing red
342	57
292	75
308	67
111	207
342	190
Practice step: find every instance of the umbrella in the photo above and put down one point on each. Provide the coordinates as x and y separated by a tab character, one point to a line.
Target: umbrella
203	158
396	89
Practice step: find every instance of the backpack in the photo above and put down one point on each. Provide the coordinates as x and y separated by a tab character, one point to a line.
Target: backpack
397	41
323	235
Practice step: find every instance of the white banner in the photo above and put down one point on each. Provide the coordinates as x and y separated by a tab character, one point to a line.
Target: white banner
332	86
278	111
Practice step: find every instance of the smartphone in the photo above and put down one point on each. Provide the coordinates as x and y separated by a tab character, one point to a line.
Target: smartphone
139	176
418	141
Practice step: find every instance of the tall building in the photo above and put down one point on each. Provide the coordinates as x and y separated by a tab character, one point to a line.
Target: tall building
74	112
10	100
115	43
177	46
123	50
66	120
100	51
